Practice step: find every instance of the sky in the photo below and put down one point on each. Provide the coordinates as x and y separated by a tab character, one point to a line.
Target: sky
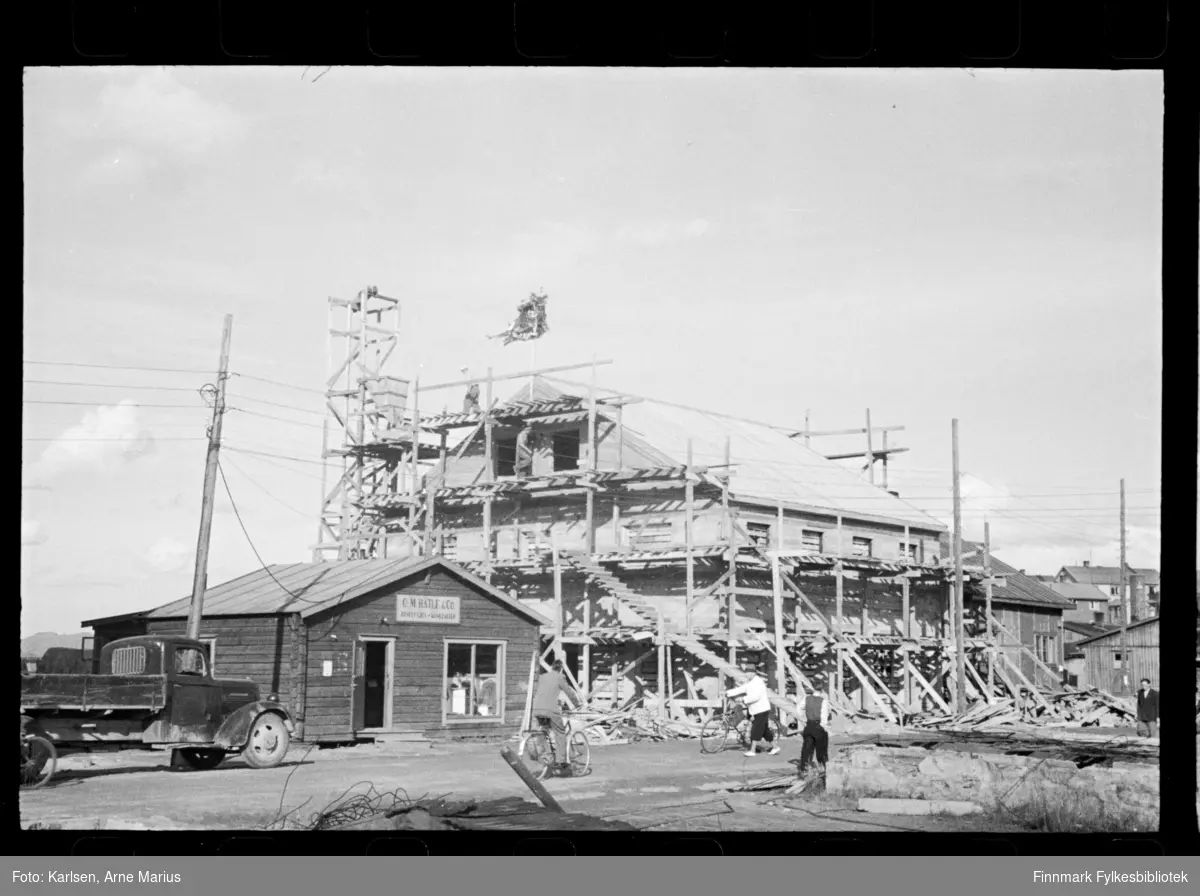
926	244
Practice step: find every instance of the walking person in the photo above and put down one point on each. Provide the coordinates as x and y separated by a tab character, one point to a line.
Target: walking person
1147	710
816	732
550	686
758	704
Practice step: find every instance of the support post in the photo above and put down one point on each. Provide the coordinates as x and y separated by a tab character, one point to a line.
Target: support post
1126	605
662	668
777	602
839	594
870	450
585	674
200	574
414	547
688	519
991	637
731	548
592	466
906	623
558	600
490	473
885	460
960	657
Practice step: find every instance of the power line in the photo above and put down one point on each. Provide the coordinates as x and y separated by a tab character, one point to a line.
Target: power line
260	487
260	457
299	460
121	439
263	379
94	404
277	404
116	367
279	419
111	385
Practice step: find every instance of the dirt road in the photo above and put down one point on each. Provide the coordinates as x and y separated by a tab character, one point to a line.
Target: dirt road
662	786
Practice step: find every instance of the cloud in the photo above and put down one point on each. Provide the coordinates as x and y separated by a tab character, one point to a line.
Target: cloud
32	533
107	437
656	233
169	555
154	110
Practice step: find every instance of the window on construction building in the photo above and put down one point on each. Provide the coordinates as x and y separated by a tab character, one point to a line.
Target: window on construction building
566	450
650	534
450	547
860	547
813	541
1045	648
760	534
908	552
506	457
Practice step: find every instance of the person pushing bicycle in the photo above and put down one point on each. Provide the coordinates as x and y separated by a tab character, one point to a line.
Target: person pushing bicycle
754	694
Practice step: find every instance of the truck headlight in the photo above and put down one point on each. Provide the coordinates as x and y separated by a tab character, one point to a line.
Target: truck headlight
272	698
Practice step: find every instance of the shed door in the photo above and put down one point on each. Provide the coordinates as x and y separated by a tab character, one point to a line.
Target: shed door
358	687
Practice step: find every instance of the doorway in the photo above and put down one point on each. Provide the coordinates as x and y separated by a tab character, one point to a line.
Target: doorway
378	661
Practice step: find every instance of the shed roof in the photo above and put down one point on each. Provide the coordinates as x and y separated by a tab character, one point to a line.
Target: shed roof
1087	629
1078	591
1153	620
310	588
769	465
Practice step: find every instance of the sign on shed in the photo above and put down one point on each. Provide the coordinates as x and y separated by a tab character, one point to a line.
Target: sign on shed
423	608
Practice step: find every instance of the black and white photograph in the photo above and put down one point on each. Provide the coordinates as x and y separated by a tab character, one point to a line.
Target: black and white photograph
592	449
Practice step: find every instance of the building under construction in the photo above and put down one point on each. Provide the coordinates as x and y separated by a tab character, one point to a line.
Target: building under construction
666	543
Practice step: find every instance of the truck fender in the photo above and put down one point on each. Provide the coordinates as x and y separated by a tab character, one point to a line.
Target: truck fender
235	730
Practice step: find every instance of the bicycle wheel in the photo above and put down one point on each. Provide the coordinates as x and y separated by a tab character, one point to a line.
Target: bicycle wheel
537	754
581	754
714	736
39	760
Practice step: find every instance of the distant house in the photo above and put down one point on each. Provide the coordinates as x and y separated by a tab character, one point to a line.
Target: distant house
1091	603
1108	579
1117	659
1028	609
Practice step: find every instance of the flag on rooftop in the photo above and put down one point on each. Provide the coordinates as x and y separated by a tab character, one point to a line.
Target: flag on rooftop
530	322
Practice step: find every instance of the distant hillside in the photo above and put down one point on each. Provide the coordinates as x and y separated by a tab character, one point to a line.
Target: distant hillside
37	645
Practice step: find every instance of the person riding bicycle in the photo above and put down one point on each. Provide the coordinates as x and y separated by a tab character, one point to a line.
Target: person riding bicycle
754	694
552	685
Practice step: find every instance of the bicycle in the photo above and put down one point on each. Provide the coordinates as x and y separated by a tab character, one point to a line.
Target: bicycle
538	751
39	760
714	735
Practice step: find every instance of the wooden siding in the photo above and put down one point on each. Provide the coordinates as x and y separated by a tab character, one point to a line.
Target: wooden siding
254	647
418	674
1098	669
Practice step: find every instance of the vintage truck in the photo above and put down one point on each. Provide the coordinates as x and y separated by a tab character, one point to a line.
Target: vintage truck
158	692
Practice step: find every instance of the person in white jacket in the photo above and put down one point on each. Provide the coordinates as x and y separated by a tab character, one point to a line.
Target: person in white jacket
758	704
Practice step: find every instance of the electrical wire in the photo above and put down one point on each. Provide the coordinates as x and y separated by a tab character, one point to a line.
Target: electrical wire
109	404
272	417
262	459
262	379
110	385
120	439
261	488
115	366
290	407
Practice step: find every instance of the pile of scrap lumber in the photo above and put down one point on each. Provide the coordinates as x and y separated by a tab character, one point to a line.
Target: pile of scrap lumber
631	725
1070	709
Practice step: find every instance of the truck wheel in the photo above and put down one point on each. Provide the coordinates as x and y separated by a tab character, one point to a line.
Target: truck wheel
268	741
202	760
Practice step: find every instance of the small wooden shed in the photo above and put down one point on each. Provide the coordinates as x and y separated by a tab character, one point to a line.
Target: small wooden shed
363	648
1117	660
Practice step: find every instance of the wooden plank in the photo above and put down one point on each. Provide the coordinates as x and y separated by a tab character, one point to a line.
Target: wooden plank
777	607
929	689
1046	669
853	662
713	588
517	376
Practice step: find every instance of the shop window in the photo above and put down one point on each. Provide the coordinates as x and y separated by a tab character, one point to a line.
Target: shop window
566	450
860	547
474	681
813	541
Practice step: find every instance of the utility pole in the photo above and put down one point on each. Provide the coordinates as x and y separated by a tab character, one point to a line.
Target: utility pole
200	578
960	658
1125	608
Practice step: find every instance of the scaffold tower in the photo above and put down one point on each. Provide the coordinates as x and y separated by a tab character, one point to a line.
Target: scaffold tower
370	430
